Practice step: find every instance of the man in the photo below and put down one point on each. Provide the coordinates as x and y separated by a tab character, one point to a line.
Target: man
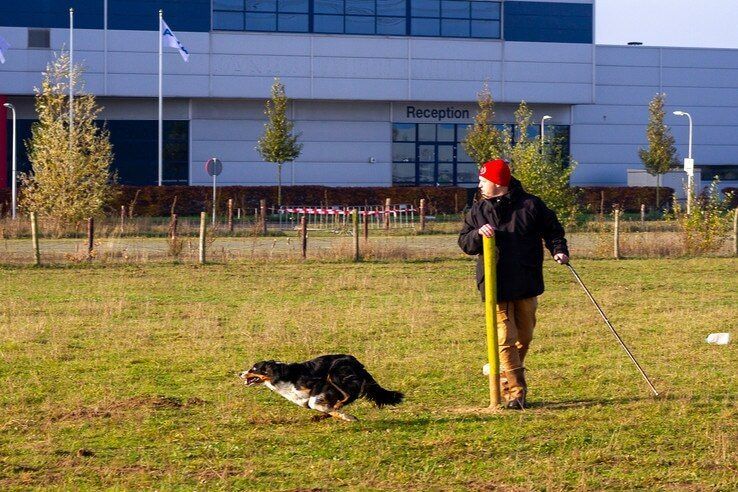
520	223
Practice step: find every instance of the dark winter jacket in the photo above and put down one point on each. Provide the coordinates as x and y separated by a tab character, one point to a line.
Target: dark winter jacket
521	222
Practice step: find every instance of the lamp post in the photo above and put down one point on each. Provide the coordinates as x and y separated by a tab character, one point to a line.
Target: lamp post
688	162
543	132
14	172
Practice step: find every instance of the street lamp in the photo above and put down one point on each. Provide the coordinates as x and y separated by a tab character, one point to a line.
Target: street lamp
543	131
688	162
14	174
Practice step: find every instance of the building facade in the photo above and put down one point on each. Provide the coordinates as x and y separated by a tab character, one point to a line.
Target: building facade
382	91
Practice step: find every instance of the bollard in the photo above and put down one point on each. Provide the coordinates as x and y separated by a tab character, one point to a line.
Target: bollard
616	239
230	215
263	216
387	205
304	235
355	220
34	240
90	237
422	215
202	238
490	314
643	213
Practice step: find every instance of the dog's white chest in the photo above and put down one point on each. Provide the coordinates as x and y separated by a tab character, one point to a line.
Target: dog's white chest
288	390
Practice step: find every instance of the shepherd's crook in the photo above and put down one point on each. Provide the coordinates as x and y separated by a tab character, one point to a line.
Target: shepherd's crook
490	304
607	321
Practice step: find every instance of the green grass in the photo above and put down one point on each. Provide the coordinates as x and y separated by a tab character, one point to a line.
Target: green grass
124	377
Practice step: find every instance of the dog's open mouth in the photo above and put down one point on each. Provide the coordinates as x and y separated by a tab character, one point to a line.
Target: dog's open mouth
250	379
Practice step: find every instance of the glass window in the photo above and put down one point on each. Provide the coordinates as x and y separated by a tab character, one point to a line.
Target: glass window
485	29
328	6
427	132
228	21
461	131
403	132
391	7
461	155
467	172
261	5
403	173
445	132
403	152
328	23
445	173
293	22
445	153
228	5
359	24
458	28
427	153
425	8
293	6
261	22
426	173
360	7
455	9
425	27
391	25
485	10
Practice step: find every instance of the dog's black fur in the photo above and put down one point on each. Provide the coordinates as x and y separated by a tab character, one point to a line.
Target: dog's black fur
326	383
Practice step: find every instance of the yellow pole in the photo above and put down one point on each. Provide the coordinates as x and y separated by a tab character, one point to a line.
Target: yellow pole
490	311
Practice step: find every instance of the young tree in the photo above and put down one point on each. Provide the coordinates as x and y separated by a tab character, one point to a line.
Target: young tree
484	141
661	153
544	175
70	178
278	144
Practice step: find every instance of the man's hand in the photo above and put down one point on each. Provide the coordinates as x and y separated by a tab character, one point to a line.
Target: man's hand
486	230
561	258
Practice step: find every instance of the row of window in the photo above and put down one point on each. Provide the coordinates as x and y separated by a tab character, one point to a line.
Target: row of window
450	18
433	153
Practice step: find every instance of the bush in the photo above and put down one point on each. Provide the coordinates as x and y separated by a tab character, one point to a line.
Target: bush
708	224
628	198
731	195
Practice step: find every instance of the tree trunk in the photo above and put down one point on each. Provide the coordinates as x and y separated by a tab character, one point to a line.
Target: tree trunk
658	186
279	184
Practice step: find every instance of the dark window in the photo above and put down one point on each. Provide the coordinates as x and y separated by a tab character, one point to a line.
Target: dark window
391	8
228	21
724	172
329	7
261	22
548	22
391	26
39	38
228	4
328	23
359	24
293	22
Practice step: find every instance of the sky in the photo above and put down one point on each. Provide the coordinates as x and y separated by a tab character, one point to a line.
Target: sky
691	23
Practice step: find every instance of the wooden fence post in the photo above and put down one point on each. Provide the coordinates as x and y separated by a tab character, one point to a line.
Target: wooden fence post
387	205
202	237
366	225
616	240
263	216
735	233
34	239
643	213
304	235
355	220
122	217
602	203
422	215
230	215
90	237
173	227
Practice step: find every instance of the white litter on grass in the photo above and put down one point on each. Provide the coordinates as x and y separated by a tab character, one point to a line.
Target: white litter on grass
718	338
485	370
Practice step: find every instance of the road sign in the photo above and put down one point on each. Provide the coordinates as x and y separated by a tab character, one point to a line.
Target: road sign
689	166
214	166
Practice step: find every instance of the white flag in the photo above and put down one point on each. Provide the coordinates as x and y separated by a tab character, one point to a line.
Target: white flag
4	45
169	39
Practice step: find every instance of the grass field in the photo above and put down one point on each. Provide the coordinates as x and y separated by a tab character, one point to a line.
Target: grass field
125	377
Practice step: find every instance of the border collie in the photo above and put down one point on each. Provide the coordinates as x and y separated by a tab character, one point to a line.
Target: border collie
326	384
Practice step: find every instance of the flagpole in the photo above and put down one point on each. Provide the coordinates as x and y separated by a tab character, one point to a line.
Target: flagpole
160	147
71	75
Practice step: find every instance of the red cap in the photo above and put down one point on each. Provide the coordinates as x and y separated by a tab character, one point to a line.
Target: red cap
496	171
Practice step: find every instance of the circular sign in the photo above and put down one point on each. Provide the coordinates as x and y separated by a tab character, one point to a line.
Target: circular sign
214	166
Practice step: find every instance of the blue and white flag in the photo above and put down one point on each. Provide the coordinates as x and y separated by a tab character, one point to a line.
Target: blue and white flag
4	46
169	39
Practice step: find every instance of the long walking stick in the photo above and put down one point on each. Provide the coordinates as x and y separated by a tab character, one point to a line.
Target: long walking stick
607	321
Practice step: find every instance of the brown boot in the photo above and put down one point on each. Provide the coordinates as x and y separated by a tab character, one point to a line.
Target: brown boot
518	389
504	387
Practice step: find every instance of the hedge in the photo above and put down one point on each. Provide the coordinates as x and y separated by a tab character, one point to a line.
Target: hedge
191	200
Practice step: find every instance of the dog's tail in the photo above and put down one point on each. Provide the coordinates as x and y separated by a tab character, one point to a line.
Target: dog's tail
380	396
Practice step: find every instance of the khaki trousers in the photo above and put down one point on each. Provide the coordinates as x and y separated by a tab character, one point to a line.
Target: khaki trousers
515	323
